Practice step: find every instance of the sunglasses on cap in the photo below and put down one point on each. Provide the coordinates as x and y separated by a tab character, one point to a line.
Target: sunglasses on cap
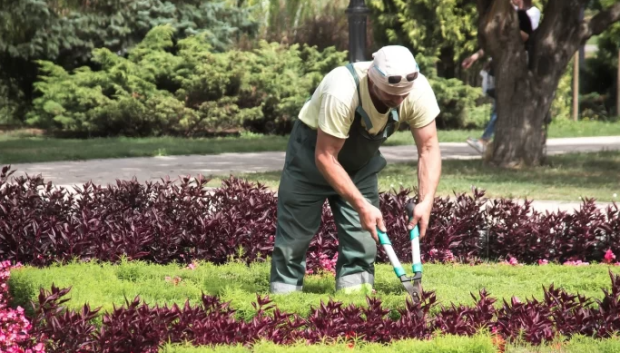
394	79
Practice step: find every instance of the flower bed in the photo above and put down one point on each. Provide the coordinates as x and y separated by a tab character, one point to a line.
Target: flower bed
15	336
164	222
211	320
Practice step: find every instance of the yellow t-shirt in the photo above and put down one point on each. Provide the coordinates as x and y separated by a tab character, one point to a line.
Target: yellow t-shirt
333	104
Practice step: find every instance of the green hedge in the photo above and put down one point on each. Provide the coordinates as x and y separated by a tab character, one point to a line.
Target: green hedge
458	102
184	88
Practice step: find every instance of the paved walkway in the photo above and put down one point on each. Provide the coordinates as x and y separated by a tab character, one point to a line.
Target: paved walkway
106	171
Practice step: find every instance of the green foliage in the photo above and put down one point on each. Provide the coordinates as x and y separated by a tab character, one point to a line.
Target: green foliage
439	344
66	32
598	81
8	106
45	29
281	80
444	29
561	107
457	101
181	89
479	343
239	283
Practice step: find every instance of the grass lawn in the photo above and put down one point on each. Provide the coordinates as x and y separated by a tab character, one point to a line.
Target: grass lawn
440	344
239	284
20	147
106	285
568	178
452	344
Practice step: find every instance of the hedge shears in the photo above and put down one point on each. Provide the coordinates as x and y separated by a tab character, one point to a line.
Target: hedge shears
413	285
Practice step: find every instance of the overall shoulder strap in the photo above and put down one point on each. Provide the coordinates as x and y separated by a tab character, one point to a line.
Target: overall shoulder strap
392	123
360	110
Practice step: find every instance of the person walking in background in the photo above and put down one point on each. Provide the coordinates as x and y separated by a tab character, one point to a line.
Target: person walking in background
529	18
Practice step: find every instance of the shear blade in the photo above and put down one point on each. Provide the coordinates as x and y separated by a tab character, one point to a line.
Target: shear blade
414	290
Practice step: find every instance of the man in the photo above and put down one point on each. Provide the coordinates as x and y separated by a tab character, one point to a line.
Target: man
333	154
529	17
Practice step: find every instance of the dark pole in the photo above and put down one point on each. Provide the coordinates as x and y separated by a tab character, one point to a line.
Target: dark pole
356	14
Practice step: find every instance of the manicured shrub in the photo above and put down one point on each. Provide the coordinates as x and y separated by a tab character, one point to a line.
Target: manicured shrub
183	221
180	87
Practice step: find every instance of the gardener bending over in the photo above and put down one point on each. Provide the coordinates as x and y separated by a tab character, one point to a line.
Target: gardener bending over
333	154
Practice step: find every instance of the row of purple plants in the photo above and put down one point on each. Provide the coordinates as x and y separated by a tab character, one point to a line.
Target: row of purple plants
183	221
137	327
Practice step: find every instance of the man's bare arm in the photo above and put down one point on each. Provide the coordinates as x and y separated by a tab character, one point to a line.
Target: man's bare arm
326	159
429	172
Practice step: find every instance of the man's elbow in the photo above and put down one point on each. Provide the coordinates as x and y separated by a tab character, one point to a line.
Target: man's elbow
429	148
322	160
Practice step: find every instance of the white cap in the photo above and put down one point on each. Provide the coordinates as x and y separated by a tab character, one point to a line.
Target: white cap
393	60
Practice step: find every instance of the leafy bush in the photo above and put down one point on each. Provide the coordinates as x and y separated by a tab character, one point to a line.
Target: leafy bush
597	107
165	222
65	32
444	30
561	107
181	89
140	327
456	100
598	80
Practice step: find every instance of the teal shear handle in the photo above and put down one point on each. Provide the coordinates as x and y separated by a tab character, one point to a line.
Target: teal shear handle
414	236
413	285
389	250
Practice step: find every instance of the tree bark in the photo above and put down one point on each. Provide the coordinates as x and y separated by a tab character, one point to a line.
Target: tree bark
525	86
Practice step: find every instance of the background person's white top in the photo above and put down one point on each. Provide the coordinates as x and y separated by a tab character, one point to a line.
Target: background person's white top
534	15
333	104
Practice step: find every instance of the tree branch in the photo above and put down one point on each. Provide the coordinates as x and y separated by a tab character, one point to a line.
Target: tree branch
601	22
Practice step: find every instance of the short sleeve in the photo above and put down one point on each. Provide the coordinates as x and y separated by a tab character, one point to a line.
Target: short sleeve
335	117
421	106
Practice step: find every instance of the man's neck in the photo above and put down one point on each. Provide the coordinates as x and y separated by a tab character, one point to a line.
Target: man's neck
381	108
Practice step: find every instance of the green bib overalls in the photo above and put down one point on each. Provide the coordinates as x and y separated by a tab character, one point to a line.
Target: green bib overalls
303	191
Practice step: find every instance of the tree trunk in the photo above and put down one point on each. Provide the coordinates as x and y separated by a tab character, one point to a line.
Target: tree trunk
526	83
520	133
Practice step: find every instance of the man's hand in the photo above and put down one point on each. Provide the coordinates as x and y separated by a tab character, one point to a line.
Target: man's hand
371	218
421	216
469	61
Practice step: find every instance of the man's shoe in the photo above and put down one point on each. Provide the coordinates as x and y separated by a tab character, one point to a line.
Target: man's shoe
477	144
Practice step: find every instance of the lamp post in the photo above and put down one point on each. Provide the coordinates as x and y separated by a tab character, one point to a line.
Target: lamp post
356	14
